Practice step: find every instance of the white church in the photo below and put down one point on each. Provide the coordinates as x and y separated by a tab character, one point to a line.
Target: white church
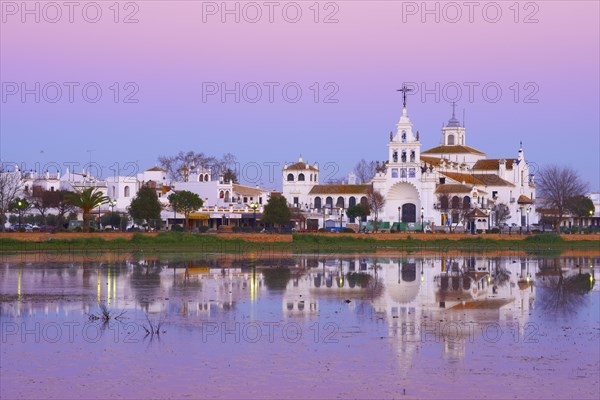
450	185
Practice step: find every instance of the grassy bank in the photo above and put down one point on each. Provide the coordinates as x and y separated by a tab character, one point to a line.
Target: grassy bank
298	243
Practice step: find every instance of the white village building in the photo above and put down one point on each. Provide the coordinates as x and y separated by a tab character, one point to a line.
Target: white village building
450	184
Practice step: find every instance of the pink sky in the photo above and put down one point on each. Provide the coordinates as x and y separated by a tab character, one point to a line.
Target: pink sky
367	54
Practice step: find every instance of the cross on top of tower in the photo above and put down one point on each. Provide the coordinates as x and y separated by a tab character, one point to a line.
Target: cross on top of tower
404	91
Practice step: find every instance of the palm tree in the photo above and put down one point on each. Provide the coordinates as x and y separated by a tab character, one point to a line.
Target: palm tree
87	200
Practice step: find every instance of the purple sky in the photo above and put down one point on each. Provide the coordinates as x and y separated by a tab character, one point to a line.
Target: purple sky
177	50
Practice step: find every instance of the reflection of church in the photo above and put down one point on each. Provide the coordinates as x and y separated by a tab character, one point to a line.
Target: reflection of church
452	182
412	294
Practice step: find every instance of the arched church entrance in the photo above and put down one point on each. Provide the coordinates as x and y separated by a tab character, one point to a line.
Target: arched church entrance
409	212
401	203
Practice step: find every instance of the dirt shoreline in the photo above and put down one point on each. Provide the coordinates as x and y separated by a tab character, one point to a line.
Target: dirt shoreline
281	238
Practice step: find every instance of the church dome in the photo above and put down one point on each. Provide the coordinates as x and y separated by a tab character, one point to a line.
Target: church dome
453	122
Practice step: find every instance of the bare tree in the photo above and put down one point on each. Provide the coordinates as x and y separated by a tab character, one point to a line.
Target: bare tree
556	187
376	202
502	213
10	184
226	165
365	170
337	181
179	166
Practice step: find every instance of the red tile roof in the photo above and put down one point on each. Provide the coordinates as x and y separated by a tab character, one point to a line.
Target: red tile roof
477	179
456	149
492	164
452	188
524	200
339	189
301	166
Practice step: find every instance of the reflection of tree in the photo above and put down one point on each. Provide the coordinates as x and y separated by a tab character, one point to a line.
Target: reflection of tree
501	274
358	278
276	278
564	294
145	282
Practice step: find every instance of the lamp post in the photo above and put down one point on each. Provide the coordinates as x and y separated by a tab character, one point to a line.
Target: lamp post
341	217
112	204
399	217
528	210
254	206
20	204
422	226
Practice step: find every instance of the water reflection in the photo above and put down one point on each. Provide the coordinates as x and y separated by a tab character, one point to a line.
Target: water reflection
404	311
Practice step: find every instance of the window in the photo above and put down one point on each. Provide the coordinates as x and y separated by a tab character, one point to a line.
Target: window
201	178
395	156
227	196
290	177
466	202
450	140
310	177
318	203
394	172
352	201
455	203
329	201
301	178
206	178
114	192
403	155
444	202
403	136
412	156
411	172
221	194
494	194
340	202
260	200
296	200
402	172
245	199
126	191
442	181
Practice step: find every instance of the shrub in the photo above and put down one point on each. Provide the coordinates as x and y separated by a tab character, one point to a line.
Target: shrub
545	238
322	230
177	228
203	228
348	230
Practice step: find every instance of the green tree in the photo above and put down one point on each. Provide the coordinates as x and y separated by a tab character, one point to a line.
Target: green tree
145	206
86	200
276	211
185	202
358	211
20	206
230	176
112	219
581	206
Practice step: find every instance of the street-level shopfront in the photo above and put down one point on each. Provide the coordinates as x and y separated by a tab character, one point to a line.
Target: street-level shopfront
215	219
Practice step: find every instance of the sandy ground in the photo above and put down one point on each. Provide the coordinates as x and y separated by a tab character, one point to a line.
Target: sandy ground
271	238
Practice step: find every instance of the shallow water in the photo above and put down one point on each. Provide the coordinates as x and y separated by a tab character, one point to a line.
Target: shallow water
302	327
